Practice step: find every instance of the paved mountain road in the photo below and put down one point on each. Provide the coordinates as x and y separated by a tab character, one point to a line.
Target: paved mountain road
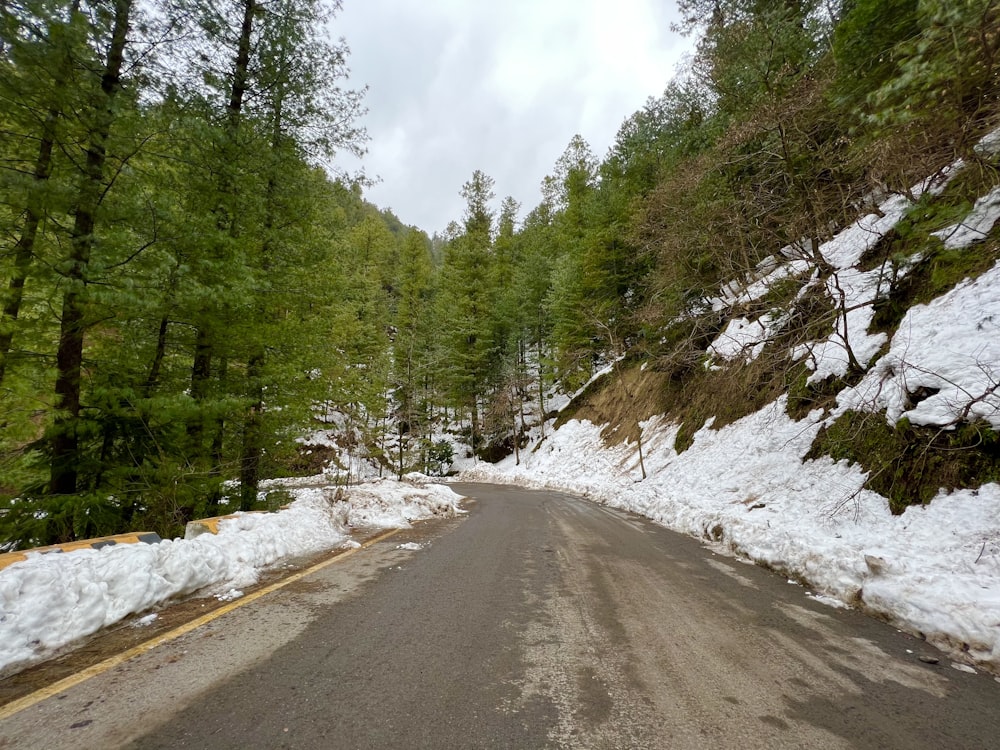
536	621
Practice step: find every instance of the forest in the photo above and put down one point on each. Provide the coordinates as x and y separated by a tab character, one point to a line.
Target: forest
189	285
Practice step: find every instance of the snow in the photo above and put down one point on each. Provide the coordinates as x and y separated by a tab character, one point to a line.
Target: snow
769	273
48	601
743	338
976	225
855	292
951	347
847	248
827	600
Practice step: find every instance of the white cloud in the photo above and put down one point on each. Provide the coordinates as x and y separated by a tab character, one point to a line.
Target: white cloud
456	87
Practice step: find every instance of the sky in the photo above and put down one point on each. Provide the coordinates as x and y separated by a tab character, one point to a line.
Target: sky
457	85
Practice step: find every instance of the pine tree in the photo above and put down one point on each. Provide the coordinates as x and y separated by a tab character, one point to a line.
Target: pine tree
574	332
412	343
65	433
43	47
304	113
464	303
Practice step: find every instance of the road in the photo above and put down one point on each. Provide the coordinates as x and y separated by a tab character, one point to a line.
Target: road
537	620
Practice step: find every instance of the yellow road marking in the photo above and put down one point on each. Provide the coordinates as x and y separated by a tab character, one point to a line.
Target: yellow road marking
113	661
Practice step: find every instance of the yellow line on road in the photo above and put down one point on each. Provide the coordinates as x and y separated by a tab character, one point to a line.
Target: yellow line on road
113	661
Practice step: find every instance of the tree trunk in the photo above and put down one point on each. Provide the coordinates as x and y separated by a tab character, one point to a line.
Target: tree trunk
253	429
25	248
215	452
474	426
161	349
400	474
69	355
201	372
541	391
517	438
252	449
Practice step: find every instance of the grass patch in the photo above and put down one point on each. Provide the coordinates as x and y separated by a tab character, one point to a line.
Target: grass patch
618	400
678	385
805	397
938	272
728	393
910	464
621	401
939	269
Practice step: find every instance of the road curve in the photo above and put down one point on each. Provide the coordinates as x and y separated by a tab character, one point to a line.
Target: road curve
536	621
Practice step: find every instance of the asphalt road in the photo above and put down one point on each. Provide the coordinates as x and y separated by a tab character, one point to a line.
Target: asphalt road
536	621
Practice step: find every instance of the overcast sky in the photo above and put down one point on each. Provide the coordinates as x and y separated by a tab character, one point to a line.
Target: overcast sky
460	85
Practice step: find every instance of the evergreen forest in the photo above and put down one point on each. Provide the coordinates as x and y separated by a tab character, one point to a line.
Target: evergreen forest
188	284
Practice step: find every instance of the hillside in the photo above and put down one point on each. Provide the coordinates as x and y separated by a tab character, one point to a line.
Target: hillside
860	460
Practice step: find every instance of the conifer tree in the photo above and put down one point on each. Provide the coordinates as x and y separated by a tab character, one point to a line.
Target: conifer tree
412	345
573	321
43	45
464	302
65	433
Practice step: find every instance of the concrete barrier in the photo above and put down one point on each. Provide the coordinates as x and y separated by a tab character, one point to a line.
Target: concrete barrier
134	537
209	525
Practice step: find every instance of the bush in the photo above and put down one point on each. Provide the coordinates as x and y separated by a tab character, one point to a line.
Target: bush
439	457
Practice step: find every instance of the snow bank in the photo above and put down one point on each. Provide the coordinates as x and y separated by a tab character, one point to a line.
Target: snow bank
50	600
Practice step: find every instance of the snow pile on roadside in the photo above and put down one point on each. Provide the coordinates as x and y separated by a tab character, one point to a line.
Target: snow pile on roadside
393	505
50	600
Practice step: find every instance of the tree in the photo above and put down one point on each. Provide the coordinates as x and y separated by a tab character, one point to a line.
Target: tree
937	90
43	45
64	436
865	46
531	286
412	345
304	113
464	302
573	335
182	228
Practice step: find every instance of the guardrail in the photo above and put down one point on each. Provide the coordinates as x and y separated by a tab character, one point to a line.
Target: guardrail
134	537
193	529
